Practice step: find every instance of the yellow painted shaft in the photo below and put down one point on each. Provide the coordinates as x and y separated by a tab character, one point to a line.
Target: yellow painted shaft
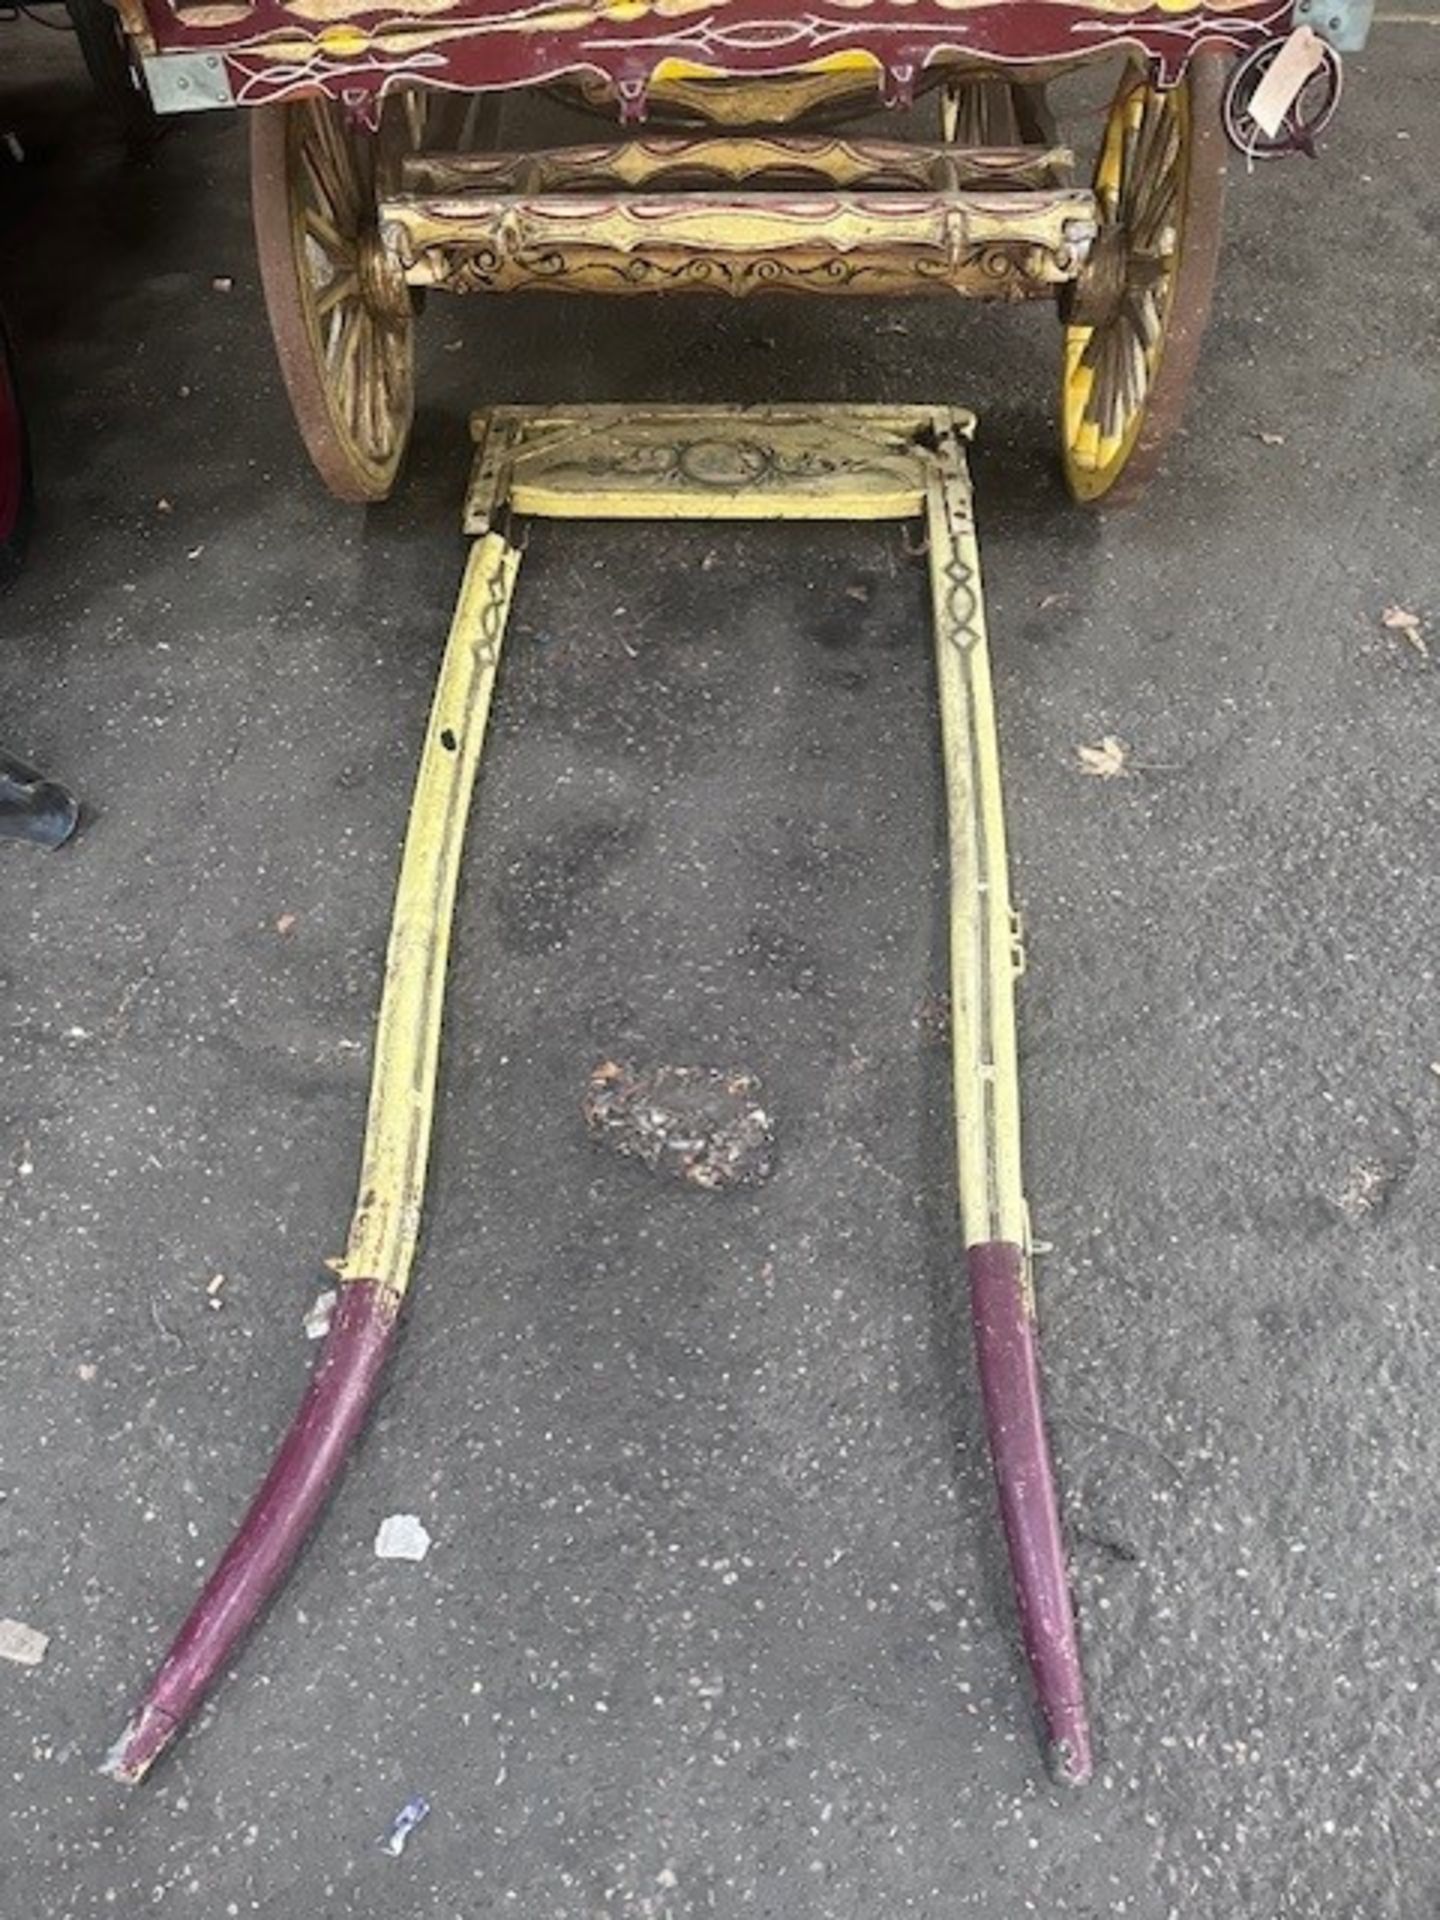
984	945
386	1223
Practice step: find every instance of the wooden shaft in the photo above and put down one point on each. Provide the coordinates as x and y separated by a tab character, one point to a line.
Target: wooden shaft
383	1234
984	961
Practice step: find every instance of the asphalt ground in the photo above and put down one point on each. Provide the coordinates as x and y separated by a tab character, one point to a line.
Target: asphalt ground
716	1620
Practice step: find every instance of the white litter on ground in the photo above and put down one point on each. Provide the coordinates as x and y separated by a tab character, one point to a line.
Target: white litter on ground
401	1536
322	1312
24	1645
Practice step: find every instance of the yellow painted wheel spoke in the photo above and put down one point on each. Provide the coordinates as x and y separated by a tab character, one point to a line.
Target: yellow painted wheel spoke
345	348
336	162
322	229
324	196
345	286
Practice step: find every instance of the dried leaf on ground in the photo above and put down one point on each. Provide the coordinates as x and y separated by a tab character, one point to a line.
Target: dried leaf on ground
932	1017
1108	761
1366	1188
1408	625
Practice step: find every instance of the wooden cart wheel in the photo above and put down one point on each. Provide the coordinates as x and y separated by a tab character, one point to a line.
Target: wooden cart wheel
339	310
1135	316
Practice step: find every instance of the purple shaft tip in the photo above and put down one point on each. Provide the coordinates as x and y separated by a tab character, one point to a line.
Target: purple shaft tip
309	1461
1010	1385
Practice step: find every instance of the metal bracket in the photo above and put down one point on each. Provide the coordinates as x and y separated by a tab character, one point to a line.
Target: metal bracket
187	82
1341	24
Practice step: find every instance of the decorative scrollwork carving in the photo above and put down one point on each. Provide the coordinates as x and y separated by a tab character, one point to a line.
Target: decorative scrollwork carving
997	246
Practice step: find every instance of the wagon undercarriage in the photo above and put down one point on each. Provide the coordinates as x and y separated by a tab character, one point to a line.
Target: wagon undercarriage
375	174
350	224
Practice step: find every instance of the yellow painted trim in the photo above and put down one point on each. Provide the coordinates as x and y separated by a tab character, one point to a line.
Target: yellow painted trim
386	1224
702	463
855	60
985	954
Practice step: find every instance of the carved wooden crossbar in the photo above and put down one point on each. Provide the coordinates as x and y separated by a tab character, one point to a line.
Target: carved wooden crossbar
706	215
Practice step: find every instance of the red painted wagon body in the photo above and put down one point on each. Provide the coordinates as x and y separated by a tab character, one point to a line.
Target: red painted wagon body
376	172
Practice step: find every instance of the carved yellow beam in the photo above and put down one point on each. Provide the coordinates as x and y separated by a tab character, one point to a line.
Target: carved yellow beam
990	244
696	464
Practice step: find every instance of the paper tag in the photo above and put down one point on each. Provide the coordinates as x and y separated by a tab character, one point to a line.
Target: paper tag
1287	73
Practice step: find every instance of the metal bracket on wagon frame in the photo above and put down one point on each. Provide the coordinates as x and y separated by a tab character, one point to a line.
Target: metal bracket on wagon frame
769	463
186	82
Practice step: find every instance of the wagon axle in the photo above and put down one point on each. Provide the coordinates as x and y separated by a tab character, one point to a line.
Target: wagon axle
381	280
